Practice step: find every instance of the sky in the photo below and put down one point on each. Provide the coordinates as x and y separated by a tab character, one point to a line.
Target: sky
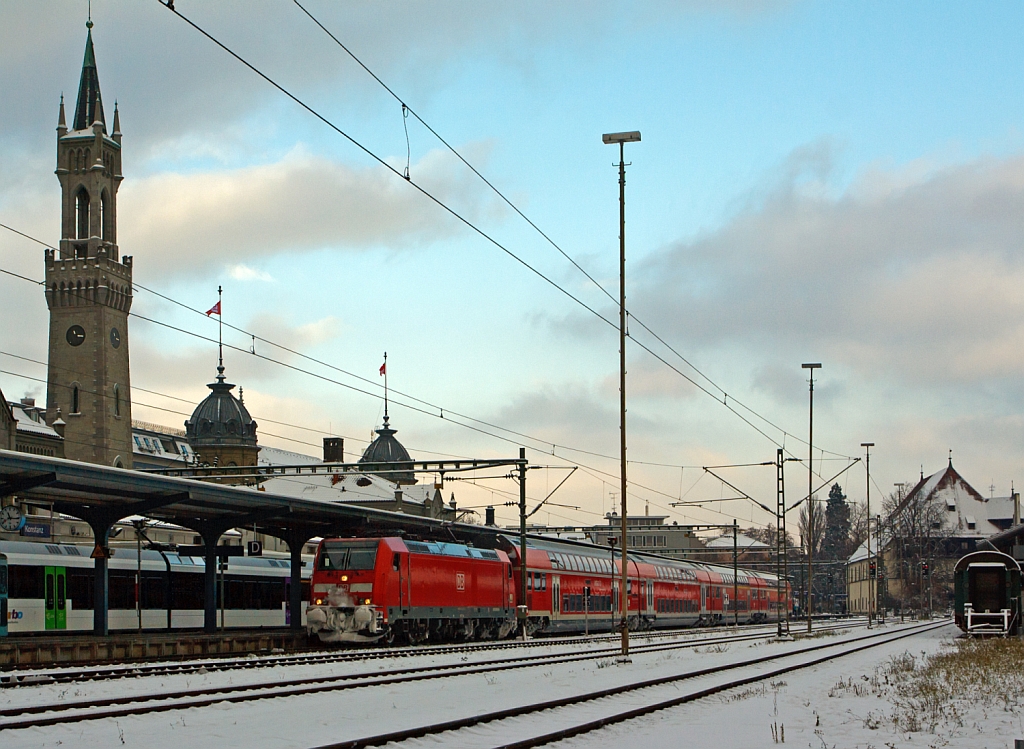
834	182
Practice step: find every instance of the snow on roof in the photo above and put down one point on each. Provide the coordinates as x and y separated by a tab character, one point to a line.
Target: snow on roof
742	542
275	456
27	424
967	513
348	486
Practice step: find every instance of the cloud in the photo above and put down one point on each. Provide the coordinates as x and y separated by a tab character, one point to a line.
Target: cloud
187	224
914	273
242	272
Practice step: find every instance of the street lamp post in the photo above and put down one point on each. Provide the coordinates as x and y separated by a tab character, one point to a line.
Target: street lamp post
810	500
867	465
621	139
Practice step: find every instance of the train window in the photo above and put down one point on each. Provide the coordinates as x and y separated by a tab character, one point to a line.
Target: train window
348	555
529	581
396	562
25	582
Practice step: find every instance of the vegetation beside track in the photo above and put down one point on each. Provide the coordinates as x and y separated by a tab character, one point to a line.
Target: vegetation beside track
940	693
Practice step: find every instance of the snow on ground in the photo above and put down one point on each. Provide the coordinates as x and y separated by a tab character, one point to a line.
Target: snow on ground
741	719
810	709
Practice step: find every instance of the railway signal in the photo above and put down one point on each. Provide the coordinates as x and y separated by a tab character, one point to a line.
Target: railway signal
924	569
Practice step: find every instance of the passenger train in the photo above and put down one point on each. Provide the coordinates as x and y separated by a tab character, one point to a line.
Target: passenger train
394	589
50	589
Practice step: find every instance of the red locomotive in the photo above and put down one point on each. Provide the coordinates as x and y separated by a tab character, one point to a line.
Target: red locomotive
386	588
365	590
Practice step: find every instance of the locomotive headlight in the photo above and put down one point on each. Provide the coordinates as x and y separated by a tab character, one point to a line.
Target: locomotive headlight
319	601
367	601
344	578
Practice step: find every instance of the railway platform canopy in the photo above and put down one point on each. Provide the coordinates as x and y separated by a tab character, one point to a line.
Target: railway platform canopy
101	496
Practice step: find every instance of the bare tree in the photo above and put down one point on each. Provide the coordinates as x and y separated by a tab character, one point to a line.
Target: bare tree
858	525
915	528
817	527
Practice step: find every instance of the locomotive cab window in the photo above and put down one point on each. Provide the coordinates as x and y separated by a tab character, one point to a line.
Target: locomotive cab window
345	555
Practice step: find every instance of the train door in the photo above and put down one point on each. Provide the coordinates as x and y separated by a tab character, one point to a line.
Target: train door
703	599
56	597
556	595
650	596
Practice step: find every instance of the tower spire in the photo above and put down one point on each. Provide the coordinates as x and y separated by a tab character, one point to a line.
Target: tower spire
62	123
89	107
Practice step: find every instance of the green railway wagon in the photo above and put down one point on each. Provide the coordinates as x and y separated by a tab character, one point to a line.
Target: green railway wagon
987	594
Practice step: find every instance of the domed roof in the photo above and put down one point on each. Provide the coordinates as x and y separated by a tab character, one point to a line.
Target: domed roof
221	419
385	454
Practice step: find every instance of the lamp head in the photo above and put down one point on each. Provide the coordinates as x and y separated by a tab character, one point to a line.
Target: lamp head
816	365
867	444
633	136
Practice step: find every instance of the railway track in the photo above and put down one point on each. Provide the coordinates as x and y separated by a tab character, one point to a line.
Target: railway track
36	716
36	677
657	694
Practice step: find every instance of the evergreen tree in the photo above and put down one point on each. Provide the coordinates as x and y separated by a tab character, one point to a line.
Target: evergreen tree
836	544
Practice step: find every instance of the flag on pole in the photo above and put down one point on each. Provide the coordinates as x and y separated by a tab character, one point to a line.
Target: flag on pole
214	310
384	368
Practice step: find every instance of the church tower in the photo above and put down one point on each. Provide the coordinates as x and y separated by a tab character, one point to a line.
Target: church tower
88	290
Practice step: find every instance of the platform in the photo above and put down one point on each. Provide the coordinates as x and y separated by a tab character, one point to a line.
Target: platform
143	646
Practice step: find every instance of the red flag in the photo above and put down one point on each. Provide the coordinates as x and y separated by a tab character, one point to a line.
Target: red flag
214	310
384	368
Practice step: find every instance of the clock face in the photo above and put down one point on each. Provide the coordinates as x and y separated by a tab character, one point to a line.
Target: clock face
75	335
115	338
11	519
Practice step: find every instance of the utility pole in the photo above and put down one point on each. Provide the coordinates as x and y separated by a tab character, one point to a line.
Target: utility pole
867	465
621	139
523	610
781	543
735	575
810	500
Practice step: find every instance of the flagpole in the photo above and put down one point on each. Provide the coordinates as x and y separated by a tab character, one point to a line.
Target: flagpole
220	333
385	386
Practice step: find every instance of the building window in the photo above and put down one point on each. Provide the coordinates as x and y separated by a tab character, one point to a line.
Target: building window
104	216
74	400
117	401
82	214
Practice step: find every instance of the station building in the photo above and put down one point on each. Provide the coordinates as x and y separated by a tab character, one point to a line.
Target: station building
939	520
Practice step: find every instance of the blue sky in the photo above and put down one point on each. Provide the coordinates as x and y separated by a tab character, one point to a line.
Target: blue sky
817	181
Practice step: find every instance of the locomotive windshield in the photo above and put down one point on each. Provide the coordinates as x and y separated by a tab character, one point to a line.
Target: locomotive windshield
348	555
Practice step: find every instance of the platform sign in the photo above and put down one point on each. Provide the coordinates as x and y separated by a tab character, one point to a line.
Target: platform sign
36	530
254	548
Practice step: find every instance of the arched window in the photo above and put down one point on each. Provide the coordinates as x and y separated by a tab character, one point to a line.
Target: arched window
82	214
74	399
104	232
117	400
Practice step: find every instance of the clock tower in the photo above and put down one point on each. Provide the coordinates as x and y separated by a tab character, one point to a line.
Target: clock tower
88	289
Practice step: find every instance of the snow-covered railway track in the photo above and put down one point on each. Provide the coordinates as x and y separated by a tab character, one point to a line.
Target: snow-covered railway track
63	675
40	715
517	727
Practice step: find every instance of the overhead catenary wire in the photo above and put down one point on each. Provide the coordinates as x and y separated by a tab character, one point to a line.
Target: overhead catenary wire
406	110
366	392
441	204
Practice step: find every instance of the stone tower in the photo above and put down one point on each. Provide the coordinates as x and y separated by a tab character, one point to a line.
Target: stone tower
88	291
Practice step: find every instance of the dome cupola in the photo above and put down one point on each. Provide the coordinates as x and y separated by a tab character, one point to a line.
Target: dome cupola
387	457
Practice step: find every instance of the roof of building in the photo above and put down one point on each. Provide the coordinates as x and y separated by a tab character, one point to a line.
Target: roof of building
967	513
742	542
89	108
30	420
387	450
221	419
